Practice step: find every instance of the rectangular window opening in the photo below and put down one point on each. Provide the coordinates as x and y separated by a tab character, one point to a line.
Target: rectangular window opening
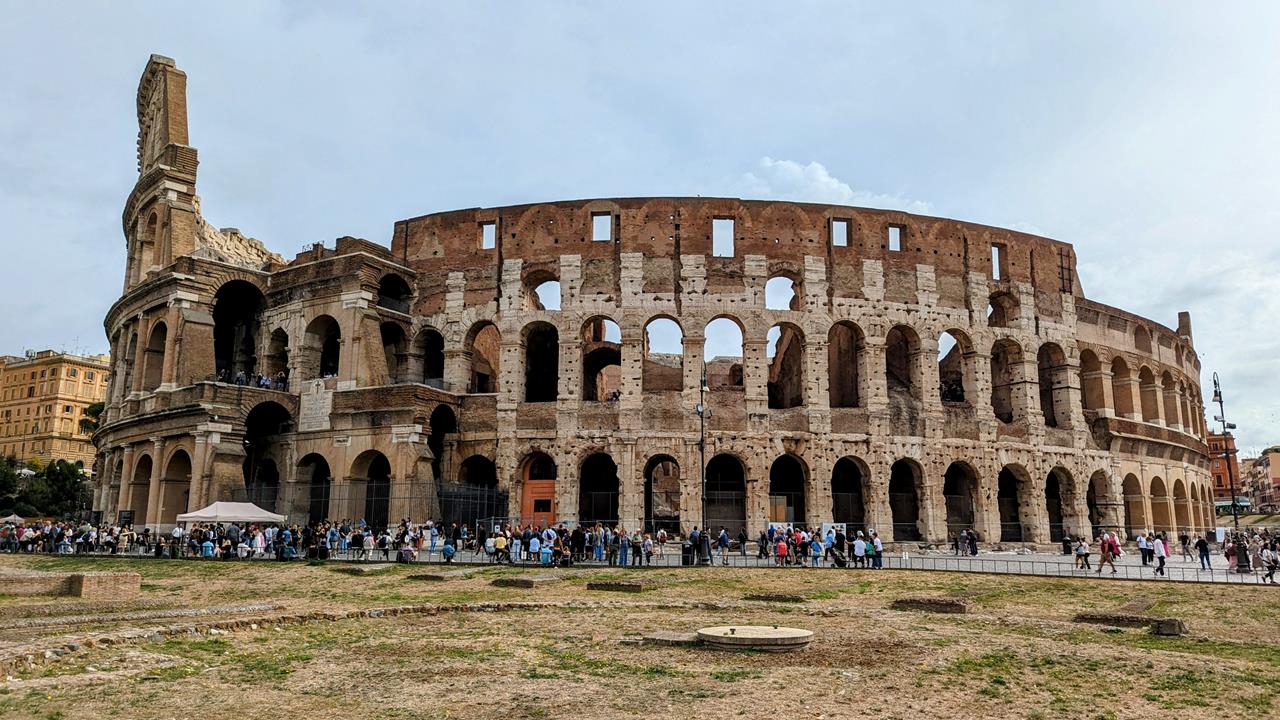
895	238
488	235
722	237
840	233
601	227
997	262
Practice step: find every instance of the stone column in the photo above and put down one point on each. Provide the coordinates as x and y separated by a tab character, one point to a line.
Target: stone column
157	475
1103	378
630	487
874	390
457	369
755	366
1172	419
123	501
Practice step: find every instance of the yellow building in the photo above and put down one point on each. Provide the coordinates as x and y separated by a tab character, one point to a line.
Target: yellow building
43	398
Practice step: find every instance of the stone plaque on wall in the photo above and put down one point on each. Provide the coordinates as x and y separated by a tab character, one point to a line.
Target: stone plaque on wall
316	404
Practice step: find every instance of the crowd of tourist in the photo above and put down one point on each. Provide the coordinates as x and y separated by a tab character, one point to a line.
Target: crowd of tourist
781	546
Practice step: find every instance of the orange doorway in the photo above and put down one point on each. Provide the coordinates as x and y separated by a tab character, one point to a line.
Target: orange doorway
538	504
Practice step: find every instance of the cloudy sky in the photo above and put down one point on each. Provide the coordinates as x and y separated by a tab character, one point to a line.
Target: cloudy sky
1146	134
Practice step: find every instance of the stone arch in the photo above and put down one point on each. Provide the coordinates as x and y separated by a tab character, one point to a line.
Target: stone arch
785	353
426	362
476	497
1169	390
542	289
1014	489
314	474
321	348
1142	340
1181	505
1161	519
277	359
1097	497
1053	380
1092	395
483	345
443	422
128	362
237	315
663	369
538	474
395	352
788	478
960	495
154	355
541	341
265	449
782	292
725	499
371	485
957	377
906	491
1059	503
849	478
598	490
846	344
601	359
175	487
1122	388
1006	377
1150	393
722	353
1135	512
662	494
394	293
903	372
1002	310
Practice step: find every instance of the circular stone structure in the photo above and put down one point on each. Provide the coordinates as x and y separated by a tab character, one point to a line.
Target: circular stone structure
769	638
568	362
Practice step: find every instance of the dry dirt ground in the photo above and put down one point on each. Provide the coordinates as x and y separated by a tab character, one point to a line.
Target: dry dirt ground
1016	654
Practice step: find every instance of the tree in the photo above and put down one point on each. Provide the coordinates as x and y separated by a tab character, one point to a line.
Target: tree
92	418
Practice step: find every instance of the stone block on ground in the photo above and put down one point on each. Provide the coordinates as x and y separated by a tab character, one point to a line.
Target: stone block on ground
948	605
1168	627
363	569
774	597
439	575
524	581
1114	619
618	586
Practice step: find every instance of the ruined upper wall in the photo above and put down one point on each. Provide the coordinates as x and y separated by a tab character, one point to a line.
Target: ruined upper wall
664	229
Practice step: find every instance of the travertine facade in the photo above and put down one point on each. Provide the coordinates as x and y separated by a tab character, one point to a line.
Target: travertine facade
440	377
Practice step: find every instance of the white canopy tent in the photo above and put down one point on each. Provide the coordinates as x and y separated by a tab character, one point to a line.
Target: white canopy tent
12	519
220	512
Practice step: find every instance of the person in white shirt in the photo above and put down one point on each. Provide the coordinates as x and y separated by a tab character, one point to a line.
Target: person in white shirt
1142	547
859	551
1161	551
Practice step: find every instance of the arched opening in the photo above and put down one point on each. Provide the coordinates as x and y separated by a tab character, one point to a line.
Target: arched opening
147	255
662	494
483	345
321	346
1052	376
901	362
1010	486
443	424
1181	505
959	488
1160	516
153	359
1006	373
1002	310
538	472
394	293
1150	393
663	369
1142	340
598	487
541	291
845	344
1056	502
1188	421
541	362
785	352
722	354
601	360
1172	413
393	351
372	472
428	349
788	477
277	365
1092	396
237	313
1122	388
1135	514
264	450
140	489
313	470
904	500
475	498
1094	497
780	293
956	377
847	505
128	361
175	487
725	501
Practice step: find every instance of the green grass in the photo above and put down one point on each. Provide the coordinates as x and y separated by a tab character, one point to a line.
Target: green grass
734	675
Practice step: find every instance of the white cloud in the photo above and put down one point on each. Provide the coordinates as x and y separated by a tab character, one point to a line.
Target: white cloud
789	180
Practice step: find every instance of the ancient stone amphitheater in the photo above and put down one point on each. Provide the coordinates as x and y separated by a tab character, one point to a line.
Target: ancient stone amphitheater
656	362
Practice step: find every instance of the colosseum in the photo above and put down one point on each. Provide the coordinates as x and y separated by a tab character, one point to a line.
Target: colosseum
655	362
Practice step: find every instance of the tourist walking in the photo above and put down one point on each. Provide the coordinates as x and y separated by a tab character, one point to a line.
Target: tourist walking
1082	555
1107	549
1202	548
1161	552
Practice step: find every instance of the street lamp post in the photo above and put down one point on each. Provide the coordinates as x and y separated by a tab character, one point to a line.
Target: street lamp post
703	413
1242	549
